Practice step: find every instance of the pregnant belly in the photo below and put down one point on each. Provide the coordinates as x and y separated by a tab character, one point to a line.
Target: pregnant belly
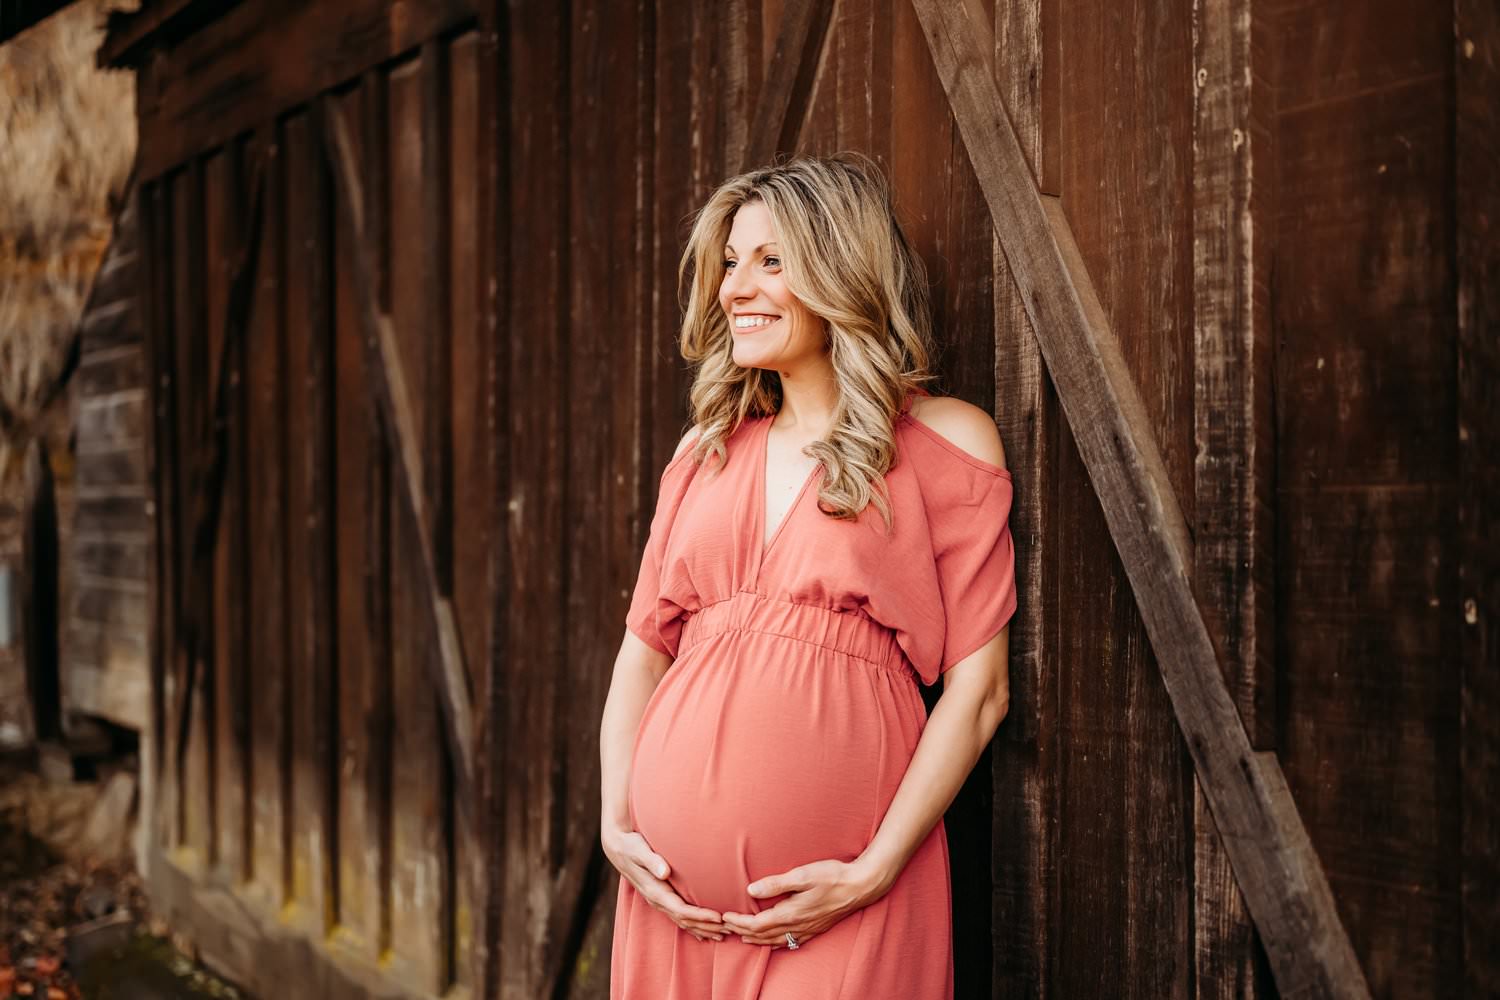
759	753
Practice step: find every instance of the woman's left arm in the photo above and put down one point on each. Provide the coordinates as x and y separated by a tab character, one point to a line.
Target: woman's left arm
975	698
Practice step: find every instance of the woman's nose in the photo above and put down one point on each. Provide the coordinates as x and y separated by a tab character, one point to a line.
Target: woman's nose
737	287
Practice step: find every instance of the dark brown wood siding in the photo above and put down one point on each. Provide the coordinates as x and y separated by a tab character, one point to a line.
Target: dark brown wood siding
315	789
1367	475
1259	193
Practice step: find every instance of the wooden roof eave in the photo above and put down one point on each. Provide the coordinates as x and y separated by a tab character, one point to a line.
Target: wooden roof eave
129	35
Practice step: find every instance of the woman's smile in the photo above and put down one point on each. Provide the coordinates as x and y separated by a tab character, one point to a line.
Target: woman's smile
754	322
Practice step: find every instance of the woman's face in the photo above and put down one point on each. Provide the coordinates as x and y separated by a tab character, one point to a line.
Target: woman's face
771	327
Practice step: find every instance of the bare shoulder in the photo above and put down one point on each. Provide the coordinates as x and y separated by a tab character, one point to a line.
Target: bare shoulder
688	438
963	424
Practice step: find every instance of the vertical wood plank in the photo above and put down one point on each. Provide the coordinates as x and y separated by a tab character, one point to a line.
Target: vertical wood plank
863	38
819	128
436	376
604	202
470	535
220	239
191	337
659	387
359	493
309	578
380	703
146	844
734	39
170	833
1477	39
1367	477
534	426
433	376
159	790
1125	807
1233	236
266	485
958	249
418	829
1024	758
486	870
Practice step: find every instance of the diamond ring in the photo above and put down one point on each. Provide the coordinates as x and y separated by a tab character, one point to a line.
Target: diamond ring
791	942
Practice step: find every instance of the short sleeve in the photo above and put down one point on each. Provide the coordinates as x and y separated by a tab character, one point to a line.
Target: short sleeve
653	617
975	560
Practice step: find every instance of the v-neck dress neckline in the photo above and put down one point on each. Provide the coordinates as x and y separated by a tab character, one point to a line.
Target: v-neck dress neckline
763	545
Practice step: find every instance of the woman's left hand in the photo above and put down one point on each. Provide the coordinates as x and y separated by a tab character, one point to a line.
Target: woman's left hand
822	894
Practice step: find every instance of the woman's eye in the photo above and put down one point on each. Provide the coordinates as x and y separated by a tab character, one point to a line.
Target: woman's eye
728	265
773	261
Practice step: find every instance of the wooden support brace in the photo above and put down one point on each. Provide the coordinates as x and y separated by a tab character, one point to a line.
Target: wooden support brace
389	384
210	468
1273	860
783	99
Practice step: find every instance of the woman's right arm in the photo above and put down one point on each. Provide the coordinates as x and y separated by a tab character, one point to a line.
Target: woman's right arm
638	669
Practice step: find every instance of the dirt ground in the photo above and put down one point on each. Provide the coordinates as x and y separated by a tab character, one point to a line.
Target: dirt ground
75	927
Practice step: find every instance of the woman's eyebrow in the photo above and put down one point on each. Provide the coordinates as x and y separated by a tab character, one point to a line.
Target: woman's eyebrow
758	249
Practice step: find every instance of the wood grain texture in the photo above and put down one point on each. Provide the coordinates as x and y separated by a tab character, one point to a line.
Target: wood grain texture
361	494
314	723
265	430
1123	790
471	431
534	426
192	384
1233	202
105	669
418	676
522	179
1477	41
1367	478
780	105
392	385
1023	762
1308	947
153	734
262	58
228	177
260	952
486	855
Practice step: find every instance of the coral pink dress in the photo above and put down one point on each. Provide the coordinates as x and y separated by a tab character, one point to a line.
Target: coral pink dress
783	727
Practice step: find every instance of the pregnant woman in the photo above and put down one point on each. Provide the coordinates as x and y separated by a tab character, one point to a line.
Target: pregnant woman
827	536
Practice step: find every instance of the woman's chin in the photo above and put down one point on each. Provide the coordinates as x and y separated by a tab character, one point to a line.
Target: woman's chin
752	356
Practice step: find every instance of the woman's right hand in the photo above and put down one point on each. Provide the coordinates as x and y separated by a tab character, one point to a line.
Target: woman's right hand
648	872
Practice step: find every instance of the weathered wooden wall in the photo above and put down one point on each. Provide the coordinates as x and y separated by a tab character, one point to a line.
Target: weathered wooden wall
313	801
1282	301
1367	475
1476	37
104	663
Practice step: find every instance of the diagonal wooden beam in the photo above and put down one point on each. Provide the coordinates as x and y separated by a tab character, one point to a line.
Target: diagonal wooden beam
1274	862
788	84
389	383
211	466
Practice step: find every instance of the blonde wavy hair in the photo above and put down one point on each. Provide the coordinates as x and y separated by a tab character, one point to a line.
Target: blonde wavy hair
846	258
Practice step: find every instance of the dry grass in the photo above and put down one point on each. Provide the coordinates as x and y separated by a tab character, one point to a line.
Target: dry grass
67	141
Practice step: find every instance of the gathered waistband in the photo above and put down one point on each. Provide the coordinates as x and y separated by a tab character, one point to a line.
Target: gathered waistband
840	631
